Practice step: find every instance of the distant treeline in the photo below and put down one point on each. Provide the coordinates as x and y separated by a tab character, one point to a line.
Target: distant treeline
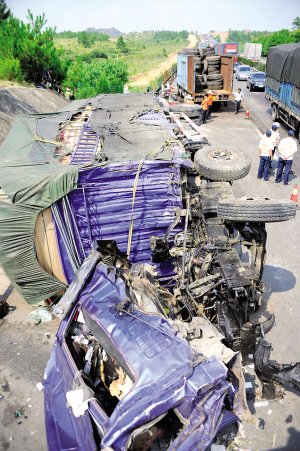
266	38
170	35
277	38
241	37
93	36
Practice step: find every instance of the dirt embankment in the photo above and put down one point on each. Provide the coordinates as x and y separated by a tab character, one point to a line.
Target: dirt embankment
18	100
162	67
223	35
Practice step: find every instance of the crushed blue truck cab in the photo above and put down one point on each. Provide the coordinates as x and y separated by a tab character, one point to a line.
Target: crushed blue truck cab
170	393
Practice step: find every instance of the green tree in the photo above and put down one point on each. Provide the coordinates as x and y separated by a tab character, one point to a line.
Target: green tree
121	45
296	23
96	77
4	12
83	39
25	50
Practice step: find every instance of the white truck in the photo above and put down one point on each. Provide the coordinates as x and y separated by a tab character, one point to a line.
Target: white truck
252	51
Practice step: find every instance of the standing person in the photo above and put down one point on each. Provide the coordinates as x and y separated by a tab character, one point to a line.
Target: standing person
47	74
210	101
287	149
265	155
204	105
68	94
238	99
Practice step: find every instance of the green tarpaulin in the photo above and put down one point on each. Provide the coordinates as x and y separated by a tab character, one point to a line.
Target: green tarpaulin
33	180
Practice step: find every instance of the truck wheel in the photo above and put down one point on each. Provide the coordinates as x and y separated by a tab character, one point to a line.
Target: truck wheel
297	133
274	113
222	163
256	209
265	313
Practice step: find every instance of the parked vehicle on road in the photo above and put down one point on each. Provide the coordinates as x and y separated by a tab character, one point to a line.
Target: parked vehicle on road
243	72
252	51
200	70
235	67
257	80
283	84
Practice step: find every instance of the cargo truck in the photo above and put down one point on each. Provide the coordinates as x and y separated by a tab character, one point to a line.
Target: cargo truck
187	79
230	48
283	84
252	51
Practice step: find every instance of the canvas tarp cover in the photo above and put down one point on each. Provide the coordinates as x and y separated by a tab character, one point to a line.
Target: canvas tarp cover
123	138
283	63
33	180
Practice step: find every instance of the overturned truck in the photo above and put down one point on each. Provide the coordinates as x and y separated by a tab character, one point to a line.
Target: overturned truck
162	269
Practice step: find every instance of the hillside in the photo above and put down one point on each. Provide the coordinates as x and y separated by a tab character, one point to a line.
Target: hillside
110	31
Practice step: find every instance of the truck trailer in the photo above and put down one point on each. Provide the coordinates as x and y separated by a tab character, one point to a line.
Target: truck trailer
283	84
252	51
188	76
230	48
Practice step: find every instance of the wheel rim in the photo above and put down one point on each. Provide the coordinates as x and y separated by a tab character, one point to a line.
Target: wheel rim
222	156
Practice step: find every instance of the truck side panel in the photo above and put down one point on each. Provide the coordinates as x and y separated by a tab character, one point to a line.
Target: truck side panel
185	72
286	94
227	72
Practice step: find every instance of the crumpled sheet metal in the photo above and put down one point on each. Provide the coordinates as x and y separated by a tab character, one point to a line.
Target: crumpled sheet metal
195	386
108	195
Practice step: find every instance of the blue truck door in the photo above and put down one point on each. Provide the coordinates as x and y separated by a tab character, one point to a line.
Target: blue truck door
285	94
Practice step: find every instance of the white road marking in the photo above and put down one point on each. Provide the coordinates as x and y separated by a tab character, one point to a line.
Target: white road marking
260	134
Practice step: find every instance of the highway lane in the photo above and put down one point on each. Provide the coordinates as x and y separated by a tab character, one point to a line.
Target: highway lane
260	113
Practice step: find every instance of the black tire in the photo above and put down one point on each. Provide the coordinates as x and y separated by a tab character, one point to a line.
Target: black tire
215	77
200	51
200	86
274	113
214	58
265	313
214	72
251	209
215	82
215	87
198	67
197	59
205	67
213	69
222	164
191	110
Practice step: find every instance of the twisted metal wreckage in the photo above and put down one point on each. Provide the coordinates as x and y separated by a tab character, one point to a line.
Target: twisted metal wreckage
160	306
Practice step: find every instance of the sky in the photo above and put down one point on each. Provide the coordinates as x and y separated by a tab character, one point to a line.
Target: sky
137	15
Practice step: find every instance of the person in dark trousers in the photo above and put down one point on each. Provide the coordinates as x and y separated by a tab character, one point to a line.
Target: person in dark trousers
265	155
58	89
210	101
238	99
204	105
47	74
287	149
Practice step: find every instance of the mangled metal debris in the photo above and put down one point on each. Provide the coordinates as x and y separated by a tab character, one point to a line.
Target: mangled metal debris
149	351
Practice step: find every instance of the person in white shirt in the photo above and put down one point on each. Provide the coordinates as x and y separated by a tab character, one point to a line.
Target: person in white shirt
287	149
238	98
265	155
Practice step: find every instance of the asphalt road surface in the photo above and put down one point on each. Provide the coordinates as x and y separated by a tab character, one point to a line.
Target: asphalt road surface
25	347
